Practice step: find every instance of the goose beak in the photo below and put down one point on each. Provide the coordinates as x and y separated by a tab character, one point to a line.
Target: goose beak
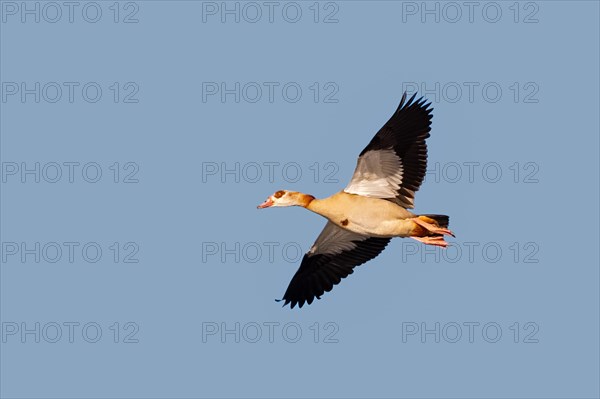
266	204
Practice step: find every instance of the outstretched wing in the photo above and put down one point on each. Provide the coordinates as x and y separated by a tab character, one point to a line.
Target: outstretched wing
331	258
394	163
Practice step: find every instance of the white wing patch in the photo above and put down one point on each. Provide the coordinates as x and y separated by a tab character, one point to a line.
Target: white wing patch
334	240
378	174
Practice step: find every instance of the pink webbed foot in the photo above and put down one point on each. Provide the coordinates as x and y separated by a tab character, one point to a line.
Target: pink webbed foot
433	228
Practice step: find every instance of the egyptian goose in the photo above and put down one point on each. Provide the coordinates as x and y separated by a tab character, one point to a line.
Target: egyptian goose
363	218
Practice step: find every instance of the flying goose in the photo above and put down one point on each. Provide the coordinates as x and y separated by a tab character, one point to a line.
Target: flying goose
363	218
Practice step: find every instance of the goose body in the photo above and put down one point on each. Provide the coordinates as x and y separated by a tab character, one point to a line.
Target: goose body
374	217
372	209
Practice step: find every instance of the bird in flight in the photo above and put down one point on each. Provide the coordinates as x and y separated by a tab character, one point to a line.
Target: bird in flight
372	209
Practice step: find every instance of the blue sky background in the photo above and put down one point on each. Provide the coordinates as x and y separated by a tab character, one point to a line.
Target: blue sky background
511	310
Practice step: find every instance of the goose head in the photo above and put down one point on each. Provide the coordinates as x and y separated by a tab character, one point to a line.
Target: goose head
287	198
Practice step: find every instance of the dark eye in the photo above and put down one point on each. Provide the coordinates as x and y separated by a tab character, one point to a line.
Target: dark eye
279	194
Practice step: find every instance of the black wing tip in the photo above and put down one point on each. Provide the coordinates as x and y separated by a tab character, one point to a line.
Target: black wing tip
420	103
299	302
402	100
